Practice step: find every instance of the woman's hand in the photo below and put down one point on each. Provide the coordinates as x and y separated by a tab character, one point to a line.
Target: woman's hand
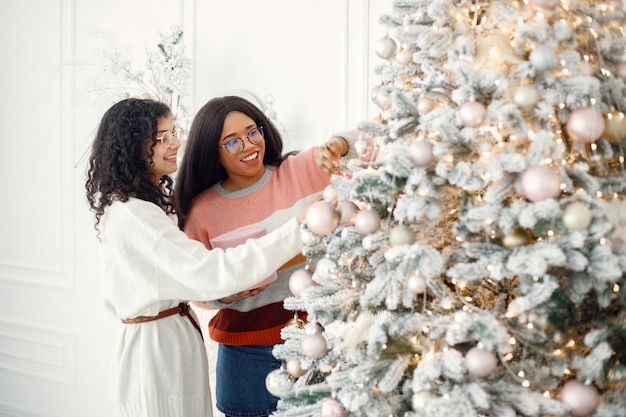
327	156
242	295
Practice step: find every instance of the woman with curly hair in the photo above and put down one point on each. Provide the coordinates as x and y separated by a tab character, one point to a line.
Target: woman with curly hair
152	268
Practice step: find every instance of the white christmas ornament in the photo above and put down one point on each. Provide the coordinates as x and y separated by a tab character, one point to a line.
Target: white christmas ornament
424	105
385	47
581	399
421	153
417	284
279	382
360	146
539	182
585	125
326	268
321	217
367	221
515	239
526	97
312	328
330	194
480	362
314	346
332	408
300	280
543	57
577	216
404	57
473	114
401	234
294	368
420	400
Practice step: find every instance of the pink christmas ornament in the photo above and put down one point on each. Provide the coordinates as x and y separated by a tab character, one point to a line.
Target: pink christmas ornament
314	346
300	280
421	153
581	399
473	114
417	284
540	183
332	408
480	362
545	4
379	99
348	210
585	125
321	217
367	221
424	105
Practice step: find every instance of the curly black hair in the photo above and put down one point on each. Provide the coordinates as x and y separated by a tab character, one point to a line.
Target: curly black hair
120	164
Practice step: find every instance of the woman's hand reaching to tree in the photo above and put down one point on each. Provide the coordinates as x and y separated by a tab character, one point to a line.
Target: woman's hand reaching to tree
328	155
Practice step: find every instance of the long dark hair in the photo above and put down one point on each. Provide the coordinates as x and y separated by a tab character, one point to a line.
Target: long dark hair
120	164
200	169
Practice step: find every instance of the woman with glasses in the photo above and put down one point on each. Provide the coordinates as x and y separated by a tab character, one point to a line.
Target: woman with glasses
152	268
234	167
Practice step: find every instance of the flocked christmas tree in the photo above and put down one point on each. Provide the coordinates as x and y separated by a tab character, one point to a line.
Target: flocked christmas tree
472	262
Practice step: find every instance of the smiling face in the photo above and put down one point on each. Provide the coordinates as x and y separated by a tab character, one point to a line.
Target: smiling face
246	168
164	158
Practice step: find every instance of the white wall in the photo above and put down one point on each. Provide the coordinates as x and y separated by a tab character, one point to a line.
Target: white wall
314	57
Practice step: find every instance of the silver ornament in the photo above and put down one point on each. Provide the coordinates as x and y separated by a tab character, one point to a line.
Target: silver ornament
401	235
543	57
480	362
577	216
385	47
279	382
526	97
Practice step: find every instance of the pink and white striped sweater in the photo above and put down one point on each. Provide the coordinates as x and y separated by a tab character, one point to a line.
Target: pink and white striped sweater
282	193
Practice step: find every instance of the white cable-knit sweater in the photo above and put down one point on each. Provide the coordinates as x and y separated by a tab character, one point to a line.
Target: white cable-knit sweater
160	367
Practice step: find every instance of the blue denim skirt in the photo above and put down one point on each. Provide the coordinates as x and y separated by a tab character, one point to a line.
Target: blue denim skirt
240	374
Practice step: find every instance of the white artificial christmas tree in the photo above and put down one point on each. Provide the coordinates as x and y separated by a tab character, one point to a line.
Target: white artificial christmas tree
472	262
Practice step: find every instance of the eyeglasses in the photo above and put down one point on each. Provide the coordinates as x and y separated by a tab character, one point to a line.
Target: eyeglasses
236	146
167	138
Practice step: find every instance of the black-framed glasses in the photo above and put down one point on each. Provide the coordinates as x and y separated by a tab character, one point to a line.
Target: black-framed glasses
235	146
167	138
